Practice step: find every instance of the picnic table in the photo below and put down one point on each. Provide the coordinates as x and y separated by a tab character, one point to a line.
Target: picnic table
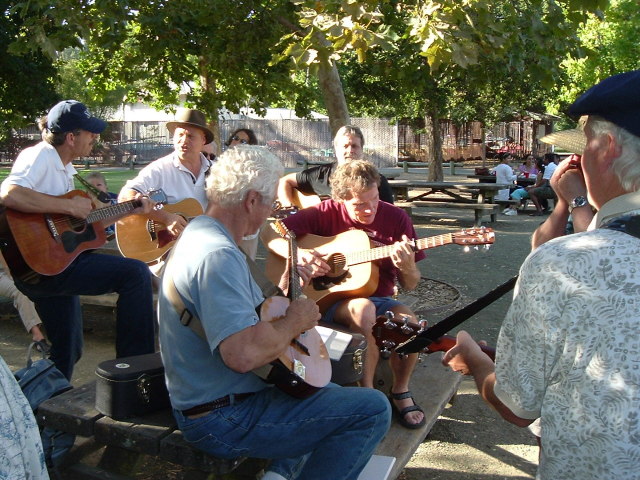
464	195
521	180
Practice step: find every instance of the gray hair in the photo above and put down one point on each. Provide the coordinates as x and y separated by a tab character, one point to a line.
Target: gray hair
240	169
349	130
627	166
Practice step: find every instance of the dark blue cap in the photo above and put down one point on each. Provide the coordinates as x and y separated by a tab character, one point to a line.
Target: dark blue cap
616	99
70	115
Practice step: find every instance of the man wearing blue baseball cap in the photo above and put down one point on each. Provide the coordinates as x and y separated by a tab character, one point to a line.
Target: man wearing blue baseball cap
41	177
569	347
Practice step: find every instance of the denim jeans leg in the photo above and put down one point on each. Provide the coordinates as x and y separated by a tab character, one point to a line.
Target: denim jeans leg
331	434
62	319
95	274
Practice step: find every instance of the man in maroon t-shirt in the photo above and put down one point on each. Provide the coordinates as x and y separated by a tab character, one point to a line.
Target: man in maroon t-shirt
355	205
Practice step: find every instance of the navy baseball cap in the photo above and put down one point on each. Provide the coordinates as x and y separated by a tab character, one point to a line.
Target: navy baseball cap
70	115
616	99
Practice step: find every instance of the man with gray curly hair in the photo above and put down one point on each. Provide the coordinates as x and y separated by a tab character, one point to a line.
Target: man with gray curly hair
569	347
220	405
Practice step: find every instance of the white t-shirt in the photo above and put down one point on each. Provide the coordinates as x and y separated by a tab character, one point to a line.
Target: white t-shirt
40	168
504	174
548	171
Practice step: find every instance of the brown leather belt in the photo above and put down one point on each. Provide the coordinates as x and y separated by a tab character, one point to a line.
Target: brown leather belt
215	404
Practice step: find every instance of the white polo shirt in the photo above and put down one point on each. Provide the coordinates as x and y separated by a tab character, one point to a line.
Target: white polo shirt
177	181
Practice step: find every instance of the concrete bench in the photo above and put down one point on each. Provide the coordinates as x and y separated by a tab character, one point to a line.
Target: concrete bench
479	209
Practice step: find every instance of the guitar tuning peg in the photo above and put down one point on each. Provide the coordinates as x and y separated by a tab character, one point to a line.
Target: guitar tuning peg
406	329
466	249
422	322
487	246
389	314
389	324
385	353
476	248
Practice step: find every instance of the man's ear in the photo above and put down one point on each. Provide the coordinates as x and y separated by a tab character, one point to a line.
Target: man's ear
252	199
613	151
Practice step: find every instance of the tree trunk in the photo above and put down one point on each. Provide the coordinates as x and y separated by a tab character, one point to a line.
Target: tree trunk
433	147
211	112
333	95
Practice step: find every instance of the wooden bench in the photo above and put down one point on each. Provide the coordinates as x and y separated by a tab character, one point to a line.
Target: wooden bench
479	209
116	449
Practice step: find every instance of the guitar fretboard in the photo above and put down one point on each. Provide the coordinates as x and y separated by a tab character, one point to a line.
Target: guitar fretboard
377	253
104	213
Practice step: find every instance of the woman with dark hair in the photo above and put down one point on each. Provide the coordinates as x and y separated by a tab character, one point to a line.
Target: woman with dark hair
242	136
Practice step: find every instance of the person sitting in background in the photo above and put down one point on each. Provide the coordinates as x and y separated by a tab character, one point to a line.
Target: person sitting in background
544	191
348	145
569	348
209	151
241	136
522	194
528	168
504	174
25	307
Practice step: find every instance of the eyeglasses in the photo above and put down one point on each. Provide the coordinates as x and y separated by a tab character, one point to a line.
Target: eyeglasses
210	156
242	141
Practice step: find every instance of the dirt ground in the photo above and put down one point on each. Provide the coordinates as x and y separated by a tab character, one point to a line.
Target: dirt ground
469	441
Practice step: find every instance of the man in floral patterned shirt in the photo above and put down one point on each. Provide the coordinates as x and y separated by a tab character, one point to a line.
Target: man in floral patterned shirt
569	348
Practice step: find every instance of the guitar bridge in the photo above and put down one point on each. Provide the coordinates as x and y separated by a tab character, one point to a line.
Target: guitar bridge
299	369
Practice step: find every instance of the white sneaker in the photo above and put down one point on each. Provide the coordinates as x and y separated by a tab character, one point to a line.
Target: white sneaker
506	210
511	212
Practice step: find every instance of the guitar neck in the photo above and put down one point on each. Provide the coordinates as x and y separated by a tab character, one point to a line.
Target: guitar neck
385	251
105	213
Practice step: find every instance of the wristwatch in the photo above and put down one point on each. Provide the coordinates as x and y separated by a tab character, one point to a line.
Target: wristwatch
579	201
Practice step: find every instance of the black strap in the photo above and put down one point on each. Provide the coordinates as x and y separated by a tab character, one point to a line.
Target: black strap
629	224
422	340
100	195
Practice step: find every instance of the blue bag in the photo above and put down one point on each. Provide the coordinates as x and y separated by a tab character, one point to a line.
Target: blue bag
39	381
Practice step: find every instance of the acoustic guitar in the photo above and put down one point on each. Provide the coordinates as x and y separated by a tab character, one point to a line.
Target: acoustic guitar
48	243
144	239
353	272
305	366
390	332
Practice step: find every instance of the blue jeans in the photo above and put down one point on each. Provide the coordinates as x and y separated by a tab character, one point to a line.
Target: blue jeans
330	435
382	304
57	302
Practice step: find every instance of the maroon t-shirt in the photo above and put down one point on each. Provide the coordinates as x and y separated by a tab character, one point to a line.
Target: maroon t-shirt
330	218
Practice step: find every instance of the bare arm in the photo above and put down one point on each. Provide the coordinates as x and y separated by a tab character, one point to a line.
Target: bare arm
27	200
467	358
286	185
568	183
262	343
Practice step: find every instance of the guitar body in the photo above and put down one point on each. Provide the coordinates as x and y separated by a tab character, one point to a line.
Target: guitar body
305	200
48	243
143	239
296	373
354	281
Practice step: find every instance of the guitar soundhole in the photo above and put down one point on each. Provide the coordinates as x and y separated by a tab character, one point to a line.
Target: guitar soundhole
336	275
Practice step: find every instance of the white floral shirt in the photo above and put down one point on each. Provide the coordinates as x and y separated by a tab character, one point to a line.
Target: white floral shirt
569	352
21	455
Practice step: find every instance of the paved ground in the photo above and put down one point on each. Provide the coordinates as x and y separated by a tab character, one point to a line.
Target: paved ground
469	441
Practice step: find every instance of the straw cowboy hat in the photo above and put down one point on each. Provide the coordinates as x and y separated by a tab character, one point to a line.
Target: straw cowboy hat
572	140
194	118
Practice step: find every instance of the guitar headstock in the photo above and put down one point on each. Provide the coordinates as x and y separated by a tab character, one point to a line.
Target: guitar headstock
283	231
474	236
278	211
158	197
390	332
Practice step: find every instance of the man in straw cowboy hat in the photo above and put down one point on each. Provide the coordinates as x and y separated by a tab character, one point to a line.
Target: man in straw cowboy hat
180	174
569	347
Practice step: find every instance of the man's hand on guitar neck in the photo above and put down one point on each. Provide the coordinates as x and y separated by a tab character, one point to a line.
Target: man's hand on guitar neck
404	259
